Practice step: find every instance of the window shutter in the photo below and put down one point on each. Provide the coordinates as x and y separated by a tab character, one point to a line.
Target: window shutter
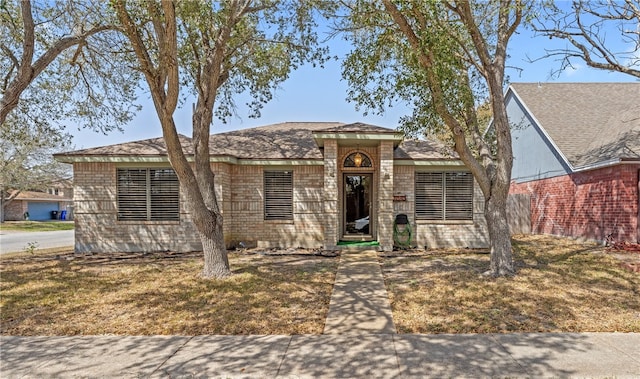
278	195
459	196
165	195
148	194
132	194
428	192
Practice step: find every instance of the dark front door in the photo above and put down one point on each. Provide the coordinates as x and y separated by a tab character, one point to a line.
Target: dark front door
357	205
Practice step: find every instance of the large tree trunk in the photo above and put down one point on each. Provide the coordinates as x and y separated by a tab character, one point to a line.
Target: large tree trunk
216	261
208	223
500	236
164	83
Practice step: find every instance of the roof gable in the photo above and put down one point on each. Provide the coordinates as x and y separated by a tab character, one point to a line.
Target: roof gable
590	123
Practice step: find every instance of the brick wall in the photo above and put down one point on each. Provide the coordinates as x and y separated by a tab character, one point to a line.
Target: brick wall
589	205
14	211
439	234
246	219
385	195
239	188
97	226
330	195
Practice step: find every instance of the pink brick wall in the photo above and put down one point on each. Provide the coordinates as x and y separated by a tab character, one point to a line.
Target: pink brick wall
589	205
14	211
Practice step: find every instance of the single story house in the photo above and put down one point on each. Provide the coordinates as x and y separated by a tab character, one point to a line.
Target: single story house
36	206
576	153
298	184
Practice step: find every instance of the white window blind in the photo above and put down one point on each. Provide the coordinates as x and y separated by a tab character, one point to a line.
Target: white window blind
148	194
444	195
278	195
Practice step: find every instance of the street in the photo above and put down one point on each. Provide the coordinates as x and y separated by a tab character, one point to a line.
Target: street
11	242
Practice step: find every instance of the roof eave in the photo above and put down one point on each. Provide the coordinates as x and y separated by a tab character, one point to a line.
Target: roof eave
394	136
128	159
607	163
429	162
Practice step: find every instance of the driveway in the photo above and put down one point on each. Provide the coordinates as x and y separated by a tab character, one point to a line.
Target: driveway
11	242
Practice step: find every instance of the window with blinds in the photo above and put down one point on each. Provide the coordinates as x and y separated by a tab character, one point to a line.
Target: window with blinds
278	195
444	195
148	194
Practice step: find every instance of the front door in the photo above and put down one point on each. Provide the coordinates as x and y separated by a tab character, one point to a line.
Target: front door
357	209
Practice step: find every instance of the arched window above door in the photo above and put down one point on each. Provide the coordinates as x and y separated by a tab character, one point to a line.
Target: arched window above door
357	159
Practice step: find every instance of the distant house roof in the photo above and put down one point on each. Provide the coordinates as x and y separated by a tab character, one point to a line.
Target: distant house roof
37	196
589	123
283	141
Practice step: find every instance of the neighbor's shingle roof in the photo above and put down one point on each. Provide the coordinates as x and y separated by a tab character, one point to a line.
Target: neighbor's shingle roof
34	195
588	122
288	140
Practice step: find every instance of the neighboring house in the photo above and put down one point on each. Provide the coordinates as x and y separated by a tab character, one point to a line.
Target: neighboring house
576	151
37	206
308	185
63	187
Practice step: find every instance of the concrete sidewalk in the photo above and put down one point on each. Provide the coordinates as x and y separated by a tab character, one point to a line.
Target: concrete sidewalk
584	355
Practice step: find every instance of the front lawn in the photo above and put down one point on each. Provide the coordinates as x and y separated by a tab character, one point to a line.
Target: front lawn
37	226
561	286
153	295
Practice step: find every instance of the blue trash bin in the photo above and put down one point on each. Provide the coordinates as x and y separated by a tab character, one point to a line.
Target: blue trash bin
63	215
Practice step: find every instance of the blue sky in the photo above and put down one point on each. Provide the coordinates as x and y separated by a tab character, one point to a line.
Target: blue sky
316	94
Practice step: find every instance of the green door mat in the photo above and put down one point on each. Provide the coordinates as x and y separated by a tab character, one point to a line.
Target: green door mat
358	243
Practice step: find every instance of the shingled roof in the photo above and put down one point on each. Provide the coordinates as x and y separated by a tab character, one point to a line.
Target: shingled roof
589	123
34	195
288	140
283	141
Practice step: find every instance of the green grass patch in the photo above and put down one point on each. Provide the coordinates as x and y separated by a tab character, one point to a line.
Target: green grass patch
37	226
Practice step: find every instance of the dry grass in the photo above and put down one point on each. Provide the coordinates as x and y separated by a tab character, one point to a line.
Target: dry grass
150	295
561	286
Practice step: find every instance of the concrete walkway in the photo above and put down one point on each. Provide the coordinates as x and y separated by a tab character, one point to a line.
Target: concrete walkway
360	342
584	355
359	301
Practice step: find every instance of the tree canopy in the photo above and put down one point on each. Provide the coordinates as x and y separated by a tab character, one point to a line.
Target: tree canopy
603	34
446	59
214	51
58	65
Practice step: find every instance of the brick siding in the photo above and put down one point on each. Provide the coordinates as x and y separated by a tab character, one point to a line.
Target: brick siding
246	220
439	234
14	211
97	226
317	207
589	205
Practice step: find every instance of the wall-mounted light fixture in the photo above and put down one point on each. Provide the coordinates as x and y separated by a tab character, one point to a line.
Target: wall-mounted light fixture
357	159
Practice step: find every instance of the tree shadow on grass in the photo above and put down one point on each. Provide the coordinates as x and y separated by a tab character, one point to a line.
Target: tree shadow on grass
559	286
